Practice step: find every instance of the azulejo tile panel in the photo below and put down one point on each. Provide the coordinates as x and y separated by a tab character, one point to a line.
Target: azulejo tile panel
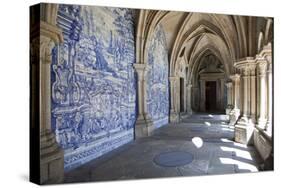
157	79
93	82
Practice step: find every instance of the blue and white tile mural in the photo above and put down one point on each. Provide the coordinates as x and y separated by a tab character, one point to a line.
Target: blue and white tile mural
157	79
93	82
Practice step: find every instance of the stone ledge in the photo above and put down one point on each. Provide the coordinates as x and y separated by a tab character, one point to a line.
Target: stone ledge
264	146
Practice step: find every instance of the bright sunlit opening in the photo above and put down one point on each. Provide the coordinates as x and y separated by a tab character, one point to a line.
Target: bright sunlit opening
210	115
197	141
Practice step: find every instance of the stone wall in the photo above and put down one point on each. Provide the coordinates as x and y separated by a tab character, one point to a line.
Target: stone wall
157	79
93	82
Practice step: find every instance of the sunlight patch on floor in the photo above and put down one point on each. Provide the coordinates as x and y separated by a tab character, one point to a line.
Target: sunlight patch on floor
197	141
225	140
207	123
241	165
238	153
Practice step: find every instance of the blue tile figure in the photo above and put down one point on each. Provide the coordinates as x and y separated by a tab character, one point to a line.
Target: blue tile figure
93	82
157	79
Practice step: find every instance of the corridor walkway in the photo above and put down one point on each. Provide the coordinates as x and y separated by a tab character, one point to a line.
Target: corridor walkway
206	138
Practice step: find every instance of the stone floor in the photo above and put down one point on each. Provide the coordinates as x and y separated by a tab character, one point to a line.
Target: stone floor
207	137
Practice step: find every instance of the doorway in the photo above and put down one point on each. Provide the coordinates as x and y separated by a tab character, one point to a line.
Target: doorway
211	88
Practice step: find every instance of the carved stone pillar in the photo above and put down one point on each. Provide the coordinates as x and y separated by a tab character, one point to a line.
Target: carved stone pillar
189	90
46	35
246	95
202	95
267	54
253	101
175	98
235	112
262	66
144	124
269	96
229	94
244	128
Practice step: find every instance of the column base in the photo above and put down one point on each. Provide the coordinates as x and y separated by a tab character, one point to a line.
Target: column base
253	119
228	109
268	127
244	120
183	115
189	111
262	123
233	116
144	126
174	117
244	133
51	159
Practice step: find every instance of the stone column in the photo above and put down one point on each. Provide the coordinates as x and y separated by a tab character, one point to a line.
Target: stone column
202	95
235	112
222	94
46	35
262	65
189	90
244	128
245	112
253	102
269	97
229	97
144	124
175	98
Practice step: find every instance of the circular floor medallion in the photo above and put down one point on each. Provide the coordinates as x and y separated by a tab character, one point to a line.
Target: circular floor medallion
173	159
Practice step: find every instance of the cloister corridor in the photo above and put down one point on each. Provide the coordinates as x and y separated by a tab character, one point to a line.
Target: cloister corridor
120	93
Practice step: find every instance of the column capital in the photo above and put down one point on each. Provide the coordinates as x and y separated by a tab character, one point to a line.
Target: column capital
189	86
262	65
266	53
245	63
174	78
48	30
44	36
140	68
235	77
228	84
46	46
